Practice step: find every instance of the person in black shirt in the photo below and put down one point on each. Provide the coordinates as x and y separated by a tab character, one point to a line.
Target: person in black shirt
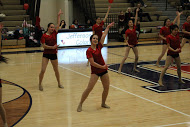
62	24
1	3
129	15
89	24
121	19
137	1
142	14
185	3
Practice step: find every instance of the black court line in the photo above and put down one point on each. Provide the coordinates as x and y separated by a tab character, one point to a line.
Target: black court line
20	52
145	44
74	47
170	81
61	48
24	92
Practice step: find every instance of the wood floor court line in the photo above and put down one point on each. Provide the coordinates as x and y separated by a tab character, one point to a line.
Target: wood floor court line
132	94
138	112
24	101
174	124
120	90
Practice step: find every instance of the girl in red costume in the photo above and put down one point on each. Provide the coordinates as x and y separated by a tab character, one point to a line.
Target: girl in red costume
49	43
98	27
131	41
186	31
164	32
174	48
98	68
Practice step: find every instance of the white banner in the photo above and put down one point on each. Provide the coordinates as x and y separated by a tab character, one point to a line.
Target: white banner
75	38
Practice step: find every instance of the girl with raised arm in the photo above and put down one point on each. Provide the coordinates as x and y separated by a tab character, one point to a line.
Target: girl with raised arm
131	41
98	68
186	31
164	32
98	27
174	48
49	43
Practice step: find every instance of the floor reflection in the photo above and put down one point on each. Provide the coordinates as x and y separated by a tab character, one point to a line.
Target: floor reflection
76	56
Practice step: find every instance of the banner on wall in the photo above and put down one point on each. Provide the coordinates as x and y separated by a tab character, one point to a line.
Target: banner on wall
75	38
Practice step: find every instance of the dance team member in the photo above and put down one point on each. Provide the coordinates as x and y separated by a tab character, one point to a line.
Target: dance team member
186	31
174	48
98	27
98	68
164	32
49	43
131	41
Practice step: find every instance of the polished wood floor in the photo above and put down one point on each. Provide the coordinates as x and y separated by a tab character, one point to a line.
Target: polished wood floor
131	105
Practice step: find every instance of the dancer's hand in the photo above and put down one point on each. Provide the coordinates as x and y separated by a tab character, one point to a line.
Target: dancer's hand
177	12
55	46
60	12
178	50
111	24
131	46
109	7
105	66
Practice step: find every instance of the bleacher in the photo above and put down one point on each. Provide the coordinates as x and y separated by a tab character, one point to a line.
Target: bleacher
176	4
15	15
154	11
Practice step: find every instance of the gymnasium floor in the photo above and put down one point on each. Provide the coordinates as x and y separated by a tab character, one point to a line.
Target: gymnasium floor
131	104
